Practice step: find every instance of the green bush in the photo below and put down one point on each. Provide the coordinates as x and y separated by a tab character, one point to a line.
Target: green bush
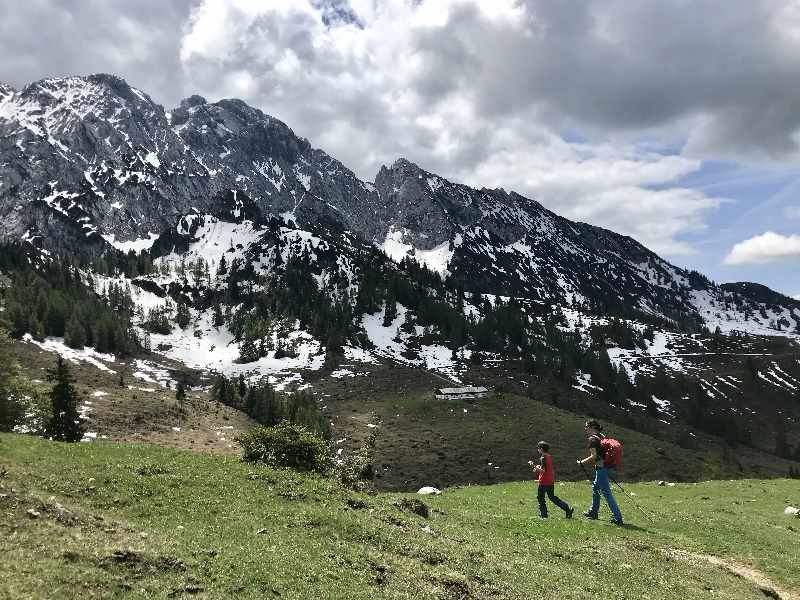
286	445
358	471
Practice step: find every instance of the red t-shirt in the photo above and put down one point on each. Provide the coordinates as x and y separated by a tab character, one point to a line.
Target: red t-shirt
547	476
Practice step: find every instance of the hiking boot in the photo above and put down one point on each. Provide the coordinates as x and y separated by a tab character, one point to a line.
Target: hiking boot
618	523
590	515
569	511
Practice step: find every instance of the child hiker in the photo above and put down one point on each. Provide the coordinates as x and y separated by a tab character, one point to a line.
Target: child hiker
547	482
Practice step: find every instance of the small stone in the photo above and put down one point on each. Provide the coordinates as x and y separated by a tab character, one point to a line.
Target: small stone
662	483
33	514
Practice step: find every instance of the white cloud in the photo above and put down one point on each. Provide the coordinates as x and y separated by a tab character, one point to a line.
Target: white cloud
602	184
430	82
764	248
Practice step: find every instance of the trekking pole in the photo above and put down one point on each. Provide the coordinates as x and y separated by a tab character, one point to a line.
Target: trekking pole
636	504
585	473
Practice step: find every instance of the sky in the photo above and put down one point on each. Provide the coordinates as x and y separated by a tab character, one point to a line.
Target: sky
676	122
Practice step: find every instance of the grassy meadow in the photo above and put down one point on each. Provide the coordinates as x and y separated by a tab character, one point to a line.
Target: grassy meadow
106	520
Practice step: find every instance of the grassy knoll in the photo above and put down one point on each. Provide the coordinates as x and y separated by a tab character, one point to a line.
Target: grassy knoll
149	522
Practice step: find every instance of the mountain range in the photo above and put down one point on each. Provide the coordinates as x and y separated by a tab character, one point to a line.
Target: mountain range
87	162
280	257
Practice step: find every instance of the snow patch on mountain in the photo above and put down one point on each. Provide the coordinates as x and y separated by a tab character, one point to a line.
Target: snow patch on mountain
436	259
135	245
86	354
216	350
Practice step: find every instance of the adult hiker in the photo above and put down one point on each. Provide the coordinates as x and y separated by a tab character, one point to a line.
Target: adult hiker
600	484
547	480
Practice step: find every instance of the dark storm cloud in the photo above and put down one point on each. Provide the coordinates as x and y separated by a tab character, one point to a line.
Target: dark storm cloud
618	66
137	40
725	72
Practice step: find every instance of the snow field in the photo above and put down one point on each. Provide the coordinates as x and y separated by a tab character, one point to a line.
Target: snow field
87	355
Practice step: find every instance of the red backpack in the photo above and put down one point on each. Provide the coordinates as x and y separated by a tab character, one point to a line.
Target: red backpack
612	452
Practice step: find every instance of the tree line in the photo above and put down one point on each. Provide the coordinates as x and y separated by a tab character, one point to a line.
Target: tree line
51	298
268	407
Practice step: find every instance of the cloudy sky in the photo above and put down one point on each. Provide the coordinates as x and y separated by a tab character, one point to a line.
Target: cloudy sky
674	121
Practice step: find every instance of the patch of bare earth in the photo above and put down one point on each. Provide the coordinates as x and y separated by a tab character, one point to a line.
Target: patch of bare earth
756	577
145	411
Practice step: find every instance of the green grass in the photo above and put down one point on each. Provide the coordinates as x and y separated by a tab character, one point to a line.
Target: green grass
192	525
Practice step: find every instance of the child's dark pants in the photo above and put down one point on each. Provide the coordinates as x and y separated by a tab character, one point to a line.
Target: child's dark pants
548	490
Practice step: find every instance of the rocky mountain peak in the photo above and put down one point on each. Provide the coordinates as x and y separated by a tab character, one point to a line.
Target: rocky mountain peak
192	101
6	90
403	164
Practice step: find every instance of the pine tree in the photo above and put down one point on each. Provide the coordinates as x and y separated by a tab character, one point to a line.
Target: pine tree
11	411
182	316
64	424
218	319
180	395
248	352
389	312
74	332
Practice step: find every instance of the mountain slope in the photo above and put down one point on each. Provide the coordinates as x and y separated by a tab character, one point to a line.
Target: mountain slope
282	259
84	160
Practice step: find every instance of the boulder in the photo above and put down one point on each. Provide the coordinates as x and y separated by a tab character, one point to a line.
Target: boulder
791	511
428	490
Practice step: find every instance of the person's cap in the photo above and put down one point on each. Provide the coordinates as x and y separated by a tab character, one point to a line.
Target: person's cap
543	445
593	424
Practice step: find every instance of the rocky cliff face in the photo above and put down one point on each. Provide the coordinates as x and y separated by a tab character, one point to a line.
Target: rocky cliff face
88	162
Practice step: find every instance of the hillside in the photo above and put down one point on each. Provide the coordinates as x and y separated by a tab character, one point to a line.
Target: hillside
210	240
108	520
420	440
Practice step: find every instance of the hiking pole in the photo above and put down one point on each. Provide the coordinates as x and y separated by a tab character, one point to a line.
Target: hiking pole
624	491
636	504
585	473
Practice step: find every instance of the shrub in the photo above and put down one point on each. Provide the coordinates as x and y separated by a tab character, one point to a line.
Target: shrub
357	471
286	445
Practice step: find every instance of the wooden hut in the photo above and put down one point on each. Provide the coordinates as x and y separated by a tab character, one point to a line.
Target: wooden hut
461	393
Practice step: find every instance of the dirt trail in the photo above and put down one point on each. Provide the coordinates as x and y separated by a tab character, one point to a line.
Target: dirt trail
764	583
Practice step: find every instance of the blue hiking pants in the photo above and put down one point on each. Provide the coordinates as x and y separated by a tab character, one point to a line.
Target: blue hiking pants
602	485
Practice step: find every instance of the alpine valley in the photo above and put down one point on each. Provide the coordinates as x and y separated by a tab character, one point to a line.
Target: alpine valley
210	244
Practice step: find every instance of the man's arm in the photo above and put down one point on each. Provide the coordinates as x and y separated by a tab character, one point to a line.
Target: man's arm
592	457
